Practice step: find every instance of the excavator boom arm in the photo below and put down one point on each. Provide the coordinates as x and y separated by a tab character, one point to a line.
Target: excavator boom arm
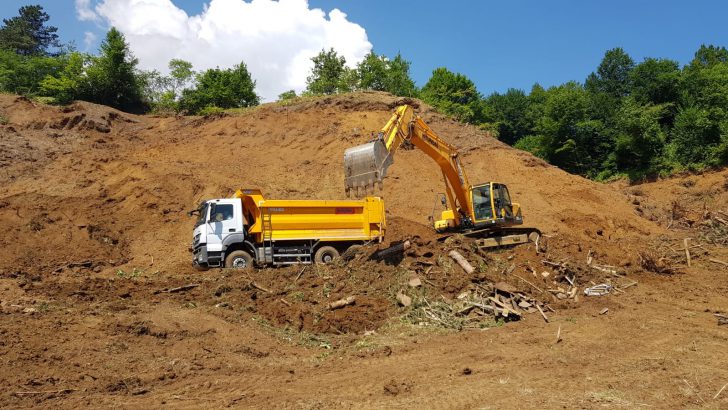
366	165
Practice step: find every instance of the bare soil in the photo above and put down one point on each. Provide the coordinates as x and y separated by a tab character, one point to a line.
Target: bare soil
92	209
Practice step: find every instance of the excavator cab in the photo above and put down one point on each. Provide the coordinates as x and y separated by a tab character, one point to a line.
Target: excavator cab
492	206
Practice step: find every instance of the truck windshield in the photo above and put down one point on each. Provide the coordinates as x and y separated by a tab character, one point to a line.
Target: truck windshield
203	214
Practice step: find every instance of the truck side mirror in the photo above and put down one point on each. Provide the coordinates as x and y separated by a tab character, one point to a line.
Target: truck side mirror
213	209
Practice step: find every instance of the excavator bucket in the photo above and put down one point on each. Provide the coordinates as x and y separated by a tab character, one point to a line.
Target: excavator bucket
364	166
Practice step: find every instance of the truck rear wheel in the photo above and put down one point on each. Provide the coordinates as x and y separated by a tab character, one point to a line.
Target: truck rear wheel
239	260
326	254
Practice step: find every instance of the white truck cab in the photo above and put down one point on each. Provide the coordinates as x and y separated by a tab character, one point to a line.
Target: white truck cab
220	223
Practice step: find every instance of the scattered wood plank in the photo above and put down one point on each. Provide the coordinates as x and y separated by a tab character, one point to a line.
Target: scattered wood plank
177	289
629	285
299	274
604	311
558	335
507	309
260	288
687	251
342	302
542	314
553	264
462	261
722	319
285	302
531	284
719	262
720	391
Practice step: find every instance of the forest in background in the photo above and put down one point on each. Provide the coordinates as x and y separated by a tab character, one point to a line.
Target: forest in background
627	118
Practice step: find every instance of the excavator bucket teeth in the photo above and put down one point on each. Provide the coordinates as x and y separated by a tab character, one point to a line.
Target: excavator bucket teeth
365	166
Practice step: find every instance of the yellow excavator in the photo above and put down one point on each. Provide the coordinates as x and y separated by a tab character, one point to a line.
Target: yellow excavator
484	210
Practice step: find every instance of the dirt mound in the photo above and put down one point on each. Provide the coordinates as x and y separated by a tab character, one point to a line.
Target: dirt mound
93	201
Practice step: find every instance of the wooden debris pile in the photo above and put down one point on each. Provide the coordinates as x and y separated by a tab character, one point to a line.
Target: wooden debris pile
714	228
482	306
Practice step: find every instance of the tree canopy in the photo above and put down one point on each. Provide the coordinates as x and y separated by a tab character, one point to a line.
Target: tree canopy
27	34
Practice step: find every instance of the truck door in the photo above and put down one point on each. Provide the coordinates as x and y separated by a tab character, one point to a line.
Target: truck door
223	222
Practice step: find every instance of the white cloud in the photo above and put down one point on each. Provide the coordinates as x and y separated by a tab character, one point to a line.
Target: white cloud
89	39
84	11
276	39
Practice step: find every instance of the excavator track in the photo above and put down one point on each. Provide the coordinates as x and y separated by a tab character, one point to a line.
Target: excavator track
499	237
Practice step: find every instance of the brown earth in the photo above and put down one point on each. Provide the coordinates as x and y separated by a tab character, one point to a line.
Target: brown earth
92	209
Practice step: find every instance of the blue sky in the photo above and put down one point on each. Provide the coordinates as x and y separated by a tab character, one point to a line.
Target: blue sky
498	45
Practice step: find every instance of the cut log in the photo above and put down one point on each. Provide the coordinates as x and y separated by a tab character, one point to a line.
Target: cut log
342	302
462	262
393	250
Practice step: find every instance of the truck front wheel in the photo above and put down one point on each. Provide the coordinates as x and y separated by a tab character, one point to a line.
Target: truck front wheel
239	260
326	254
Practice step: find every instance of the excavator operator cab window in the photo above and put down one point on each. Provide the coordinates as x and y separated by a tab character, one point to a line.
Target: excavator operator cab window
481	202
502	201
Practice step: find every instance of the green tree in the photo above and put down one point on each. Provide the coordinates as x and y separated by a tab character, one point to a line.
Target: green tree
378	73
453	94
566	135
287	95
640	140
708	56
655	81
612	75
329	74
509	112
112	78
372	72
181	74
230	88
696	138
398	77
66	86
23	74
27	34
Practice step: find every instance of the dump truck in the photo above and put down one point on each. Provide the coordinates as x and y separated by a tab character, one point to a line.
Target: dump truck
248	230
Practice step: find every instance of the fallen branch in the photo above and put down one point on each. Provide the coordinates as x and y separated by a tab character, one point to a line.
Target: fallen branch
462	261
554	264
719	262
629	285
35	393
532	285
260	288
177	289
542	314
285	302
687	251
720	391
342	302
299	274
